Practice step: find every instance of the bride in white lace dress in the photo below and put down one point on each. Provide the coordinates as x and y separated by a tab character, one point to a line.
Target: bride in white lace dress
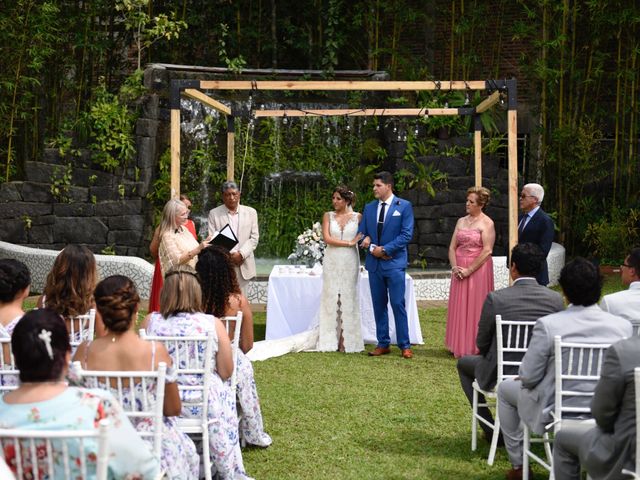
339	306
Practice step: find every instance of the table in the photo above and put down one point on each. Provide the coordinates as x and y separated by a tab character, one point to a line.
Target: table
293	303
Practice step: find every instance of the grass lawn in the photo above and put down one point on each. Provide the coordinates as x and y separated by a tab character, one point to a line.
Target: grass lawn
352	416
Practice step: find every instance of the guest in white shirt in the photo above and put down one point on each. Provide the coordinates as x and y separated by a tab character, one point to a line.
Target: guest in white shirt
626	304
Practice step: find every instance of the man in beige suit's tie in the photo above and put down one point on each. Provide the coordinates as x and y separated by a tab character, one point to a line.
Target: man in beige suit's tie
244	223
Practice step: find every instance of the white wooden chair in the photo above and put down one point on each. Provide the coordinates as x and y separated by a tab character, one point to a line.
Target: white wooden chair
9	374
636	473
81	328
193	356
512	337
235	344
143	405
577	371
49	452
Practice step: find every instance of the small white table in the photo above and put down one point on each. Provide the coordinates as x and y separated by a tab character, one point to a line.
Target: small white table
293	304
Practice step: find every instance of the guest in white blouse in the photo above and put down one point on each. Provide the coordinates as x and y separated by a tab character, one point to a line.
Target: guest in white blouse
15	282
177	245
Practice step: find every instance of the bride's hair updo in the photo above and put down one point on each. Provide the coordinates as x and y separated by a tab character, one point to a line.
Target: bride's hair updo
346	194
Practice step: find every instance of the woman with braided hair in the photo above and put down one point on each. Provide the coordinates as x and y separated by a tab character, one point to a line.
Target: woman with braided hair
221	296
121	349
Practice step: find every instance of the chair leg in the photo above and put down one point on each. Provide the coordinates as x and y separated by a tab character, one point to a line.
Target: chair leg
474	422
526	445
494	438
549	453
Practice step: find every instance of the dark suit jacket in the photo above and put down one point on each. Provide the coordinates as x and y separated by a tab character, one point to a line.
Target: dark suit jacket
525	300
611	445
540	231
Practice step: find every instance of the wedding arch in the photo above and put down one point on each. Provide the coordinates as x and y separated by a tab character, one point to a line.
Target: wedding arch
503	91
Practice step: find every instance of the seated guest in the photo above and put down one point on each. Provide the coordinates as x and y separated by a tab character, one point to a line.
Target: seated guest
181	315
44	401
526	301
626	304
605	449
15	281
69	287
222	297
121	349
530	398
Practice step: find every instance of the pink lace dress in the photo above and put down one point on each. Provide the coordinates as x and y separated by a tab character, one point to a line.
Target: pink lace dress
467	295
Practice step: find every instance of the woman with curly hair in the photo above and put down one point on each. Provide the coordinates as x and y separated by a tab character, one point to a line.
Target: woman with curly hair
121	349
15	281
221	296
69	287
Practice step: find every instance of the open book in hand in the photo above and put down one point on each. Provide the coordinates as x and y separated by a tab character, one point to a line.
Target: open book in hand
225	238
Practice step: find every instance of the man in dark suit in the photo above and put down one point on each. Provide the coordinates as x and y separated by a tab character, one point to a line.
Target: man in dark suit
387	228
534	225
525	300
605	449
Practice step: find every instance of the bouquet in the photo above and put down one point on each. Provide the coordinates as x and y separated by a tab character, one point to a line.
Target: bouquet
309	248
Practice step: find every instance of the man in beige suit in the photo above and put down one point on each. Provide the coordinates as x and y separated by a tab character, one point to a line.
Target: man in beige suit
244	223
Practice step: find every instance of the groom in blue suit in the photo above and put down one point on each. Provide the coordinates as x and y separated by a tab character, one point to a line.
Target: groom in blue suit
387	228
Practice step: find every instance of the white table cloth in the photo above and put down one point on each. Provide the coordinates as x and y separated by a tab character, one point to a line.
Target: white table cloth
293	303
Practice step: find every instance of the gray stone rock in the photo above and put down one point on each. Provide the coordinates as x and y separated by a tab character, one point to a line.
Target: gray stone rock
89	177
84	209
103	194
43	220
89	230
428	226
52	156
146	151
146	127
9	192
128	238
40	171
120	207
41	234
36	192
13	231
19	209
127	222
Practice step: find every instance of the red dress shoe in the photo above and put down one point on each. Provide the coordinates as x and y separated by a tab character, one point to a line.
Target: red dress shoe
407	353
376	352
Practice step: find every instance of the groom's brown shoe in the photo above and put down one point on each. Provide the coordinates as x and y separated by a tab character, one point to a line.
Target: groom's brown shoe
376	352
407	353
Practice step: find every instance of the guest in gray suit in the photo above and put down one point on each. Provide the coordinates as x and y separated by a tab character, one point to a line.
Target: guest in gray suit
626	304
604	450
525	300
530	399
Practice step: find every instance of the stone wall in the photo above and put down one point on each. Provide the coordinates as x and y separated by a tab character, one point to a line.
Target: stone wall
101	210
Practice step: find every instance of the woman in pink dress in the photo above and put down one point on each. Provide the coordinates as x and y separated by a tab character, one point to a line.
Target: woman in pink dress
471	273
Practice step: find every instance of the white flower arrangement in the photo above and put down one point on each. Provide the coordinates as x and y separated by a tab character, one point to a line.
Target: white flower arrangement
309	248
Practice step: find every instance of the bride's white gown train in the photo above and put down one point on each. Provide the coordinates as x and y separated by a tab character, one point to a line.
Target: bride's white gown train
339	304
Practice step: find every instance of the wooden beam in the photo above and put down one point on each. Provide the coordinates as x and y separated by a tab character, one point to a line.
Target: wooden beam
488	102
207	100
175	153
339	85
366	112
512	140
231	142
477	144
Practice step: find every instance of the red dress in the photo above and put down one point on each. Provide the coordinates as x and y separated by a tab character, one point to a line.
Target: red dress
467	296
156	283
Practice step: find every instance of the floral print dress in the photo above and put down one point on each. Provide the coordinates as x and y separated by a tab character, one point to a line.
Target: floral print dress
251	424
179	458
82	409
224	444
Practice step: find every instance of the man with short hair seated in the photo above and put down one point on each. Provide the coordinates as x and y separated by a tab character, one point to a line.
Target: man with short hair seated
605	449
524	301
530	397
626	304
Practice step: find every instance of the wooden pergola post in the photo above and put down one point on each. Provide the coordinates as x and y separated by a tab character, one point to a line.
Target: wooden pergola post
231	145
477	148
512	141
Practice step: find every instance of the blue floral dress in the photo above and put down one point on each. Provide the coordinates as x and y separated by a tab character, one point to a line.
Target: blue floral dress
224	445
82	409
179	458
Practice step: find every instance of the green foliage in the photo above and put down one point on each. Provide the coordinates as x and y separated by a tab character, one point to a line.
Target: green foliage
61	183
416	174
235	64
611	238
108	250
28	221
112	130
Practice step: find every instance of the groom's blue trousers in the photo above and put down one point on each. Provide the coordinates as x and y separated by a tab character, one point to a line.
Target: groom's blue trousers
391	281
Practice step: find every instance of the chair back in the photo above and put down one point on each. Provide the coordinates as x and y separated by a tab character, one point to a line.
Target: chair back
193	356
236	323
81	328
512	341
577	370
59	454
140	393
9	374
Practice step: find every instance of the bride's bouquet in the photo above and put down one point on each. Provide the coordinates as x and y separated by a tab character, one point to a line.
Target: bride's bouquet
309	248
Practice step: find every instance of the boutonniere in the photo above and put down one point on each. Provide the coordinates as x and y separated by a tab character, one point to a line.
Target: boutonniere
397	202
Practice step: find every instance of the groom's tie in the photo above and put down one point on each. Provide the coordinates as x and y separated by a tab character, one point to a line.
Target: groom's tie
381	220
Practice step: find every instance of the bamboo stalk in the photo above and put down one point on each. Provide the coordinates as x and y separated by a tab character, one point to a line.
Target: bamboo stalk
616	135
